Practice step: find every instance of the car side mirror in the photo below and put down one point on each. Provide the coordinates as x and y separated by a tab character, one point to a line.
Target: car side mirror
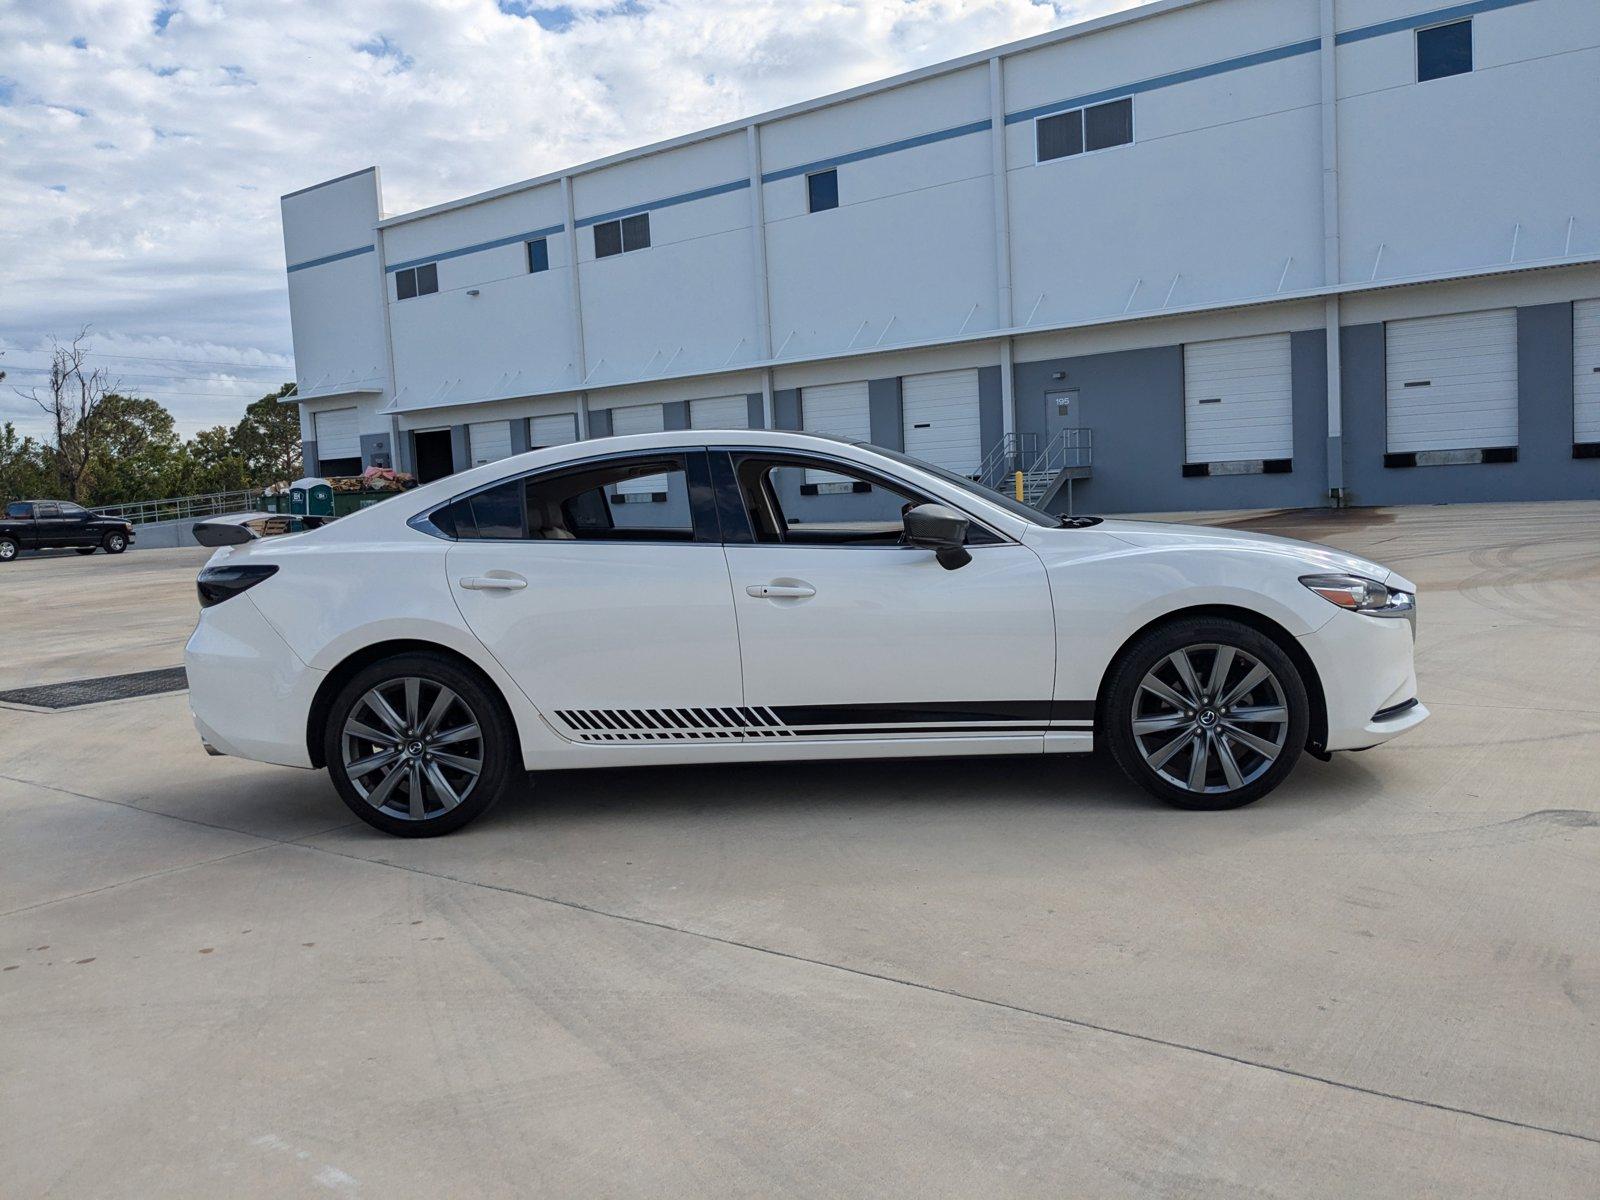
222	533
940	529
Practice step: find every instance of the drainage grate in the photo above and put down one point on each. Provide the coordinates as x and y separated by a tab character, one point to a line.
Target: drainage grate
97	691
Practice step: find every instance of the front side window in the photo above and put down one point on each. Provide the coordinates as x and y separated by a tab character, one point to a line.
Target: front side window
635	498
69	509
1444	50
416	281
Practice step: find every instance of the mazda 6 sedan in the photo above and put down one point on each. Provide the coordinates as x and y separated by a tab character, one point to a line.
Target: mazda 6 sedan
698	597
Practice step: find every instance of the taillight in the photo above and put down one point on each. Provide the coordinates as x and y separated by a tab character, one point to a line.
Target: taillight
218	583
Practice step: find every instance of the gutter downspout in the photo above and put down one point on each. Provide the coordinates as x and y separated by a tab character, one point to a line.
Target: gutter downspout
1331	264
1002	237
575	290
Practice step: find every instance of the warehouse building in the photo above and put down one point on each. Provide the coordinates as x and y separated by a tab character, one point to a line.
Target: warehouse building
1202	254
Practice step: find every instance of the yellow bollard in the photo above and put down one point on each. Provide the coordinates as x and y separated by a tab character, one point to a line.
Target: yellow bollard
1019	486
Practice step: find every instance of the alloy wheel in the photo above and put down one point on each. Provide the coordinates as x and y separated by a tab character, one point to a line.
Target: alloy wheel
412	748
1210	718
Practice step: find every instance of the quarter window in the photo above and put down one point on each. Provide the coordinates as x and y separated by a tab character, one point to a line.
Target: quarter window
822	190
619	237
1444	50
538	256
1098	127
416	281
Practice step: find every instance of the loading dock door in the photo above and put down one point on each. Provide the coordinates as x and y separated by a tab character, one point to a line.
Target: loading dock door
489	441
552	429
720	412
1452	381
1586	374
840	409
1238	400
941	419
639	418
337	434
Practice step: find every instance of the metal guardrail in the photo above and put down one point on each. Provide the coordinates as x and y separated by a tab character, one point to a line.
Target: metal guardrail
1070	451
1005	458
182	508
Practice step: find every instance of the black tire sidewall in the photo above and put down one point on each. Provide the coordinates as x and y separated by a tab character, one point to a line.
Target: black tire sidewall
16	548
1162	641
500	745
111	549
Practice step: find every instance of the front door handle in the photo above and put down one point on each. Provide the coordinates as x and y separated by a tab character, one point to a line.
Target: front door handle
780	591
493	583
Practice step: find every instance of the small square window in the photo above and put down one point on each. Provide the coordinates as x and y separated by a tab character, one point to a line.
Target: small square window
636	232
538	256
822	190
1107	125
607	239
405	283
427	279
1444	50
1059	136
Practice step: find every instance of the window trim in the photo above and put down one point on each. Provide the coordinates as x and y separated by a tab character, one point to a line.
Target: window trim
697	474
413	273
1133	130
1416	48
622	240
533	266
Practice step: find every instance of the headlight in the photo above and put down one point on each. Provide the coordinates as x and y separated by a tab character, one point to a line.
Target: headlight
1361	595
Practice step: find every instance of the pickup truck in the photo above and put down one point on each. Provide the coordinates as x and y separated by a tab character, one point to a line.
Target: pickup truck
47	524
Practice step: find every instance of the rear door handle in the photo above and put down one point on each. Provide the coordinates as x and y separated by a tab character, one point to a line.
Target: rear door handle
780	591
493	583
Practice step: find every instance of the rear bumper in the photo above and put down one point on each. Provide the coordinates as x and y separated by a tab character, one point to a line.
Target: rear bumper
1369	679
249	693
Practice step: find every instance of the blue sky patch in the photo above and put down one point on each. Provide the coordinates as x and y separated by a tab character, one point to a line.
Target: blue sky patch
8	89
164	14
379	46
80	43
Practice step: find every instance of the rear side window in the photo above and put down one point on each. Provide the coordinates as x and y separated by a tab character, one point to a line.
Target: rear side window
19	512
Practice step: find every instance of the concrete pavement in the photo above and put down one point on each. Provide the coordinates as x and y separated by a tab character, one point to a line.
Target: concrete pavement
1000	978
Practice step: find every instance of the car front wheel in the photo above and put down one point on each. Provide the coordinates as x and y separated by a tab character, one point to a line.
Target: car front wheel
418	746
1206	713
115	543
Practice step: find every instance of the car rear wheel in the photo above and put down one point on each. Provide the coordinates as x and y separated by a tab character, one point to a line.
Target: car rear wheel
1206	713
418	746
115	543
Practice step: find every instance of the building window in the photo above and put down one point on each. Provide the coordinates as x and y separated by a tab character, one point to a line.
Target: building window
416	281
1098	127
538	256
822	190
619	237
1444	50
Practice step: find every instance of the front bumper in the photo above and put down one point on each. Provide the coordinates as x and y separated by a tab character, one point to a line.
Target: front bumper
1368	675
249	693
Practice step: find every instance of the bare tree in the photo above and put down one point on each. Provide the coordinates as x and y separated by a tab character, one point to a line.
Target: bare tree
71	399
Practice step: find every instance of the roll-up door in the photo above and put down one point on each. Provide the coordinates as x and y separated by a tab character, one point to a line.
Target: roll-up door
552	429
941	419
639	418
1452	381
1238	400
840	409
337	434
720	412
489	441
1586	377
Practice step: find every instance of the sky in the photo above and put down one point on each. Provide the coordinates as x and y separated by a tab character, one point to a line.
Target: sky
144	143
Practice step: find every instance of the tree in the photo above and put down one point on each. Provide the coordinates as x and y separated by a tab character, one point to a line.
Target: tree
72	396
133	449
22	470
268	438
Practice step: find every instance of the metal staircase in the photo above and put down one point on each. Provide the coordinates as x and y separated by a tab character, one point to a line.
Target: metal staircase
1065	458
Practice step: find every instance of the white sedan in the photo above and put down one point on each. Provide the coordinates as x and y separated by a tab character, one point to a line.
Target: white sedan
736	596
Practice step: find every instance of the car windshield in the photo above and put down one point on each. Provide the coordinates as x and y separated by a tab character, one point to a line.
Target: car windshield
1015	507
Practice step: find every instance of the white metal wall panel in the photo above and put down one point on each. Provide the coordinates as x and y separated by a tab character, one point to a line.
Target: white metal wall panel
639	418
1238	399
1452	381
720	412
337	434
941	419
489	441
552	429
841	409
1586	371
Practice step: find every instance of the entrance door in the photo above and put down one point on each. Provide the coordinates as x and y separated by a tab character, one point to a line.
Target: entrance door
1063	410
433	454
848	635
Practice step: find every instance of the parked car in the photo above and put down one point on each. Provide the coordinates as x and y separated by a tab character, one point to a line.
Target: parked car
49	524
764	596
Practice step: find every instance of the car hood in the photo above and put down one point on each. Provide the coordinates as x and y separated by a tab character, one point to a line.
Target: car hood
1161	535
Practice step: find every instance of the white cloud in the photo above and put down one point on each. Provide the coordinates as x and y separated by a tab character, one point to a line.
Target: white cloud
147	143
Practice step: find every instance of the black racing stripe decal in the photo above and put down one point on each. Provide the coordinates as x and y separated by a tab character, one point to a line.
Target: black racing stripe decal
900	714
919	730
936	718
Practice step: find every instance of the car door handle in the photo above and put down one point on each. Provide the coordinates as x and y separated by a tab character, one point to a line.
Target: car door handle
493	583
780	591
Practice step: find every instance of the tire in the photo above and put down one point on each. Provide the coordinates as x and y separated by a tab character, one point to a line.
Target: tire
85	549
8	549
409	794
115	543
1169	736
